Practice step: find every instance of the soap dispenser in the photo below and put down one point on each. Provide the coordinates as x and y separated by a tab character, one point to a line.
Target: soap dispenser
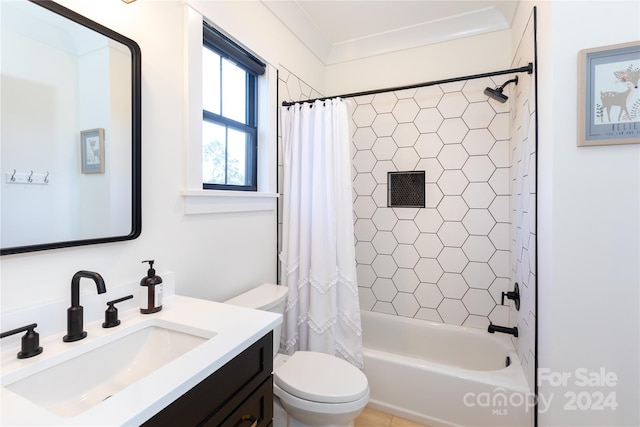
151	291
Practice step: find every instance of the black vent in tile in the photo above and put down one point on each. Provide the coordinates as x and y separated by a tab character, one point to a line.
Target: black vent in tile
406	189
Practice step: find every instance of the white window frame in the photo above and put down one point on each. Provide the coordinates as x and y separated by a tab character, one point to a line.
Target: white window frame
197	200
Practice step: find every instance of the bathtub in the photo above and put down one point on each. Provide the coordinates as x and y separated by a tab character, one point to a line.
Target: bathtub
443	375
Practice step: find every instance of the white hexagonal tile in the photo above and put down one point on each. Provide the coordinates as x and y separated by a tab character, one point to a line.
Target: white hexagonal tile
366	275
428	270
453	285
428	245
430	314
452	131
384	266
452	208
452	260
478	195
499	208
478	248
478	322
363	99
381	170
452	182
478	302
384	242
452	104
428	96
478	168
364	229
499	263
499	285
478	142
499	126
406	93
432	169
405	110
499	236
428	145
406	280
293	86
428	120
366	298
478	115
500	315
405	256
364	161
452	156
452	311
434	196
405	304
384	124
428	220
380	195
384	148
499	181
384	102
499	154
452	234
478	275
364	184
385	219
364	138
406	232
406	159
406	213
365	253
406	135
384	307
384	289
478	221
428	295
364	115
473	89
364	207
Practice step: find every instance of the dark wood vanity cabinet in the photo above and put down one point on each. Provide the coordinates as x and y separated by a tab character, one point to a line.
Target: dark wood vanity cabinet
239	394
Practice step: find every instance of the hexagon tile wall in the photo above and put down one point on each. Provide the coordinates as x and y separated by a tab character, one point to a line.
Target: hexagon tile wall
449	261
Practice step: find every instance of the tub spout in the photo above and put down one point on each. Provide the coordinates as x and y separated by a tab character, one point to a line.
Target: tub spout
495	328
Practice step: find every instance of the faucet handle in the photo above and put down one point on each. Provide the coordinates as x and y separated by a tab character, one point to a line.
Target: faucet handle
111	313
30	341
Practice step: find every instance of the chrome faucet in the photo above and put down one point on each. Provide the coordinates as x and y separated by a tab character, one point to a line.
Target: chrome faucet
75	322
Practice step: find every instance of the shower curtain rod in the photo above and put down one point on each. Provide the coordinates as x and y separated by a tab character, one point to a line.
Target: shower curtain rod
528	69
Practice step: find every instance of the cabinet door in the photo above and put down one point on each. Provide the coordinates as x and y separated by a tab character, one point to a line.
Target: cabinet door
255	411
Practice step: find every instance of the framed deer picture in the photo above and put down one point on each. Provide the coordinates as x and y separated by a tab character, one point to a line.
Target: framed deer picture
608	95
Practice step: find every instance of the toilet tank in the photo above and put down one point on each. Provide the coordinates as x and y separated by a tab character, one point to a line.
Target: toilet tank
266	297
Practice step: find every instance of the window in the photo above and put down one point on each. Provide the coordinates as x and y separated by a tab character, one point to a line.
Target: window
229	116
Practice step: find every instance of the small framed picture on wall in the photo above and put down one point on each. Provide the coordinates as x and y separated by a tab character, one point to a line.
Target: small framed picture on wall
92	150
608	95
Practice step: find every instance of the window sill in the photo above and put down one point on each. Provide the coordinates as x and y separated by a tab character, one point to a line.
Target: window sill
214	201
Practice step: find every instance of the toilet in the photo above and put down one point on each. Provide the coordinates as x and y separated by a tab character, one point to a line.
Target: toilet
311	388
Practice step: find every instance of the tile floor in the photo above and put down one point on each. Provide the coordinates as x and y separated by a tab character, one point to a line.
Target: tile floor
373	418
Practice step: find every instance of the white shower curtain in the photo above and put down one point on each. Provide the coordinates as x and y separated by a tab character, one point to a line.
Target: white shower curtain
318	253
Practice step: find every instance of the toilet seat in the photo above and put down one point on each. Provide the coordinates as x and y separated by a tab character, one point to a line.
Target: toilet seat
321	378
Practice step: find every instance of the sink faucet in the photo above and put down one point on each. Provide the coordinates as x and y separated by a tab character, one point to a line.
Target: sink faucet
75	322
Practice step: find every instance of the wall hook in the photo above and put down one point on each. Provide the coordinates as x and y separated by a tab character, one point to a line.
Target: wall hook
30	179
46	178
13	177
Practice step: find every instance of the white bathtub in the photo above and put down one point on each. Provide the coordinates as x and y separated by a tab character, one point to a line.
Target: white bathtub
443	375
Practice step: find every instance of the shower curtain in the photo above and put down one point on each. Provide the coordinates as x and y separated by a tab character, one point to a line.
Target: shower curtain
318	254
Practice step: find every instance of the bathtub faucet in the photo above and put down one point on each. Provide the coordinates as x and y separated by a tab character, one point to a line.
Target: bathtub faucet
495	328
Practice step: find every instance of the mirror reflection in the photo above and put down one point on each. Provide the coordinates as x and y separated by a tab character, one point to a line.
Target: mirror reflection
70	135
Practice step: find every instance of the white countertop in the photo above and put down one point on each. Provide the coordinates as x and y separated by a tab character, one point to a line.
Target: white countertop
236	328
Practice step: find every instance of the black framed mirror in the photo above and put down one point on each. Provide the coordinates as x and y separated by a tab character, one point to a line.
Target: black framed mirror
70	148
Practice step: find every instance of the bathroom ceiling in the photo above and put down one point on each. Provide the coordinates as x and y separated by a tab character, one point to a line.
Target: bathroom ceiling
339	31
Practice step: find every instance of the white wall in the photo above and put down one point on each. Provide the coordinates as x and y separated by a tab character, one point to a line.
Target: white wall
214	256
589	224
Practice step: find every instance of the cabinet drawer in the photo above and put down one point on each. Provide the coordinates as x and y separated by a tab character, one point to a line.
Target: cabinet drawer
255	411
223	390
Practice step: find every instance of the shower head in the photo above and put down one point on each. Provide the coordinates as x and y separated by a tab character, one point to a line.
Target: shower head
497	94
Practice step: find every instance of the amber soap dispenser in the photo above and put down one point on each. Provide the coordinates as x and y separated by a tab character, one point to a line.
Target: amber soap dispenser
151	291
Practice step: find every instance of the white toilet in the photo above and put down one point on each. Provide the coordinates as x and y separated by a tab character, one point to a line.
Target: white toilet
311	389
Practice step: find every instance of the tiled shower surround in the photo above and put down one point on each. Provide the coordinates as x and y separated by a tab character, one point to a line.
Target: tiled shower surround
449	261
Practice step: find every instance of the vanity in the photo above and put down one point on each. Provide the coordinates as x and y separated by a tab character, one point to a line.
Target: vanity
196	362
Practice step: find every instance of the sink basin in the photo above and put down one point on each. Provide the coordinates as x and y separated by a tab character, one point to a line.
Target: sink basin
79	383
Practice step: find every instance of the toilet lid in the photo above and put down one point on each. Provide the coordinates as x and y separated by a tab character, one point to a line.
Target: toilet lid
321	377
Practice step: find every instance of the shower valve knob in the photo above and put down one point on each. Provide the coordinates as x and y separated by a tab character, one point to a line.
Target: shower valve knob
512	295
